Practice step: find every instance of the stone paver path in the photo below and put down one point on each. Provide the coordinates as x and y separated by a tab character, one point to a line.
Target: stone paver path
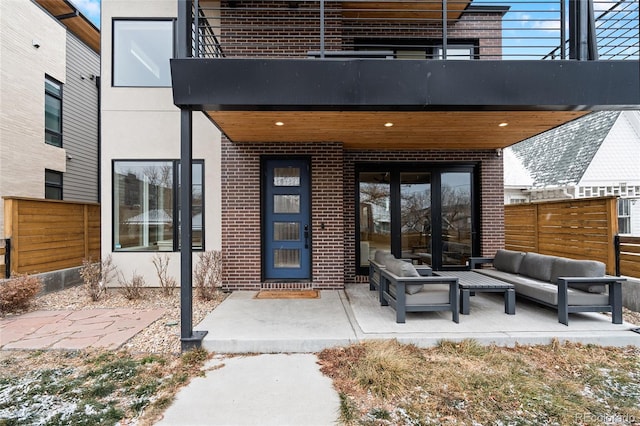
70	330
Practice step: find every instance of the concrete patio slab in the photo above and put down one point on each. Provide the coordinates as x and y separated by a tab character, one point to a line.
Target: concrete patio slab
242	324
72	330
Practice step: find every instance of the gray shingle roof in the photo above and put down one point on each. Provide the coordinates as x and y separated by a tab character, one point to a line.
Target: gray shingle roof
562	155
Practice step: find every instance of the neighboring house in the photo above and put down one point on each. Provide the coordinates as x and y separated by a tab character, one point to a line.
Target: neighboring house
49	102
596	155
322	131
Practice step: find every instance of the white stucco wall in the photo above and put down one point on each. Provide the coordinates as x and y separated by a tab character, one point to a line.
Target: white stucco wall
143	123
24	155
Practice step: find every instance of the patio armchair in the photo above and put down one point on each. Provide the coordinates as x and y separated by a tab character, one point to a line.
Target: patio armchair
405	290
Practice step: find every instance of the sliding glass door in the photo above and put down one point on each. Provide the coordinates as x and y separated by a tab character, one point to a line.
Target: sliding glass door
455	200
375	215
415	216
422	213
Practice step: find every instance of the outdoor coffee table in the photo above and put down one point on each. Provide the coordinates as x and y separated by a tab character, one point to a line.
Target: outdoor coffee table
470	281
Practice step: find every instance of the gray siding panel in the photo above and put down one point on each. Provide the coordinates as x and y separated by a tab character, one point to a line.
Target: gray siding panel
80	122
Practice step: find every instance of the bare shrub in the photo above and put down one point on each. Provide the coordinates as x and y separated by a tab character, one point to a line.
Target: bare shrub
131	289
207	275
17	293
167	283
96	276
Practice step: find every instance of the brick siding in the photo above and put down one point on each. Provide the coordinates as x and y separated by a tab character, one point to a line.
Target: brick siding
274	29
241	220
333	205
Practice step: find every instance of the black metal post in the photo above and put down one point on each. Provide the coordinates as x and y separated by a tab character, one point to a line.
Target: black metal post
563	30
578	30
444	29
322	28
196	26
592	41
616	244
188	337
7	258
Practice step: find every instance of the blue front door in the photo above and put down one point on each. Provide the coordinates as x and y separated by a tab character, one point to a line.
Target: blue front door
287	224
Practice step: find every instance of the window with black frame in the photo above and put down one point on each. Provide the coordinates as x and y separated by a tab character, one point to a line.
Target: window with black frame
458	49
424	214
145	205
52	185
52	112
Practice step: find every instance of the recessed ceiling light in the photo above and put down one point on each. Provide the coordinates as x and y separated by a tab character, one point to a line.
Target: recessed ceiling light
388	124
279	123
503	124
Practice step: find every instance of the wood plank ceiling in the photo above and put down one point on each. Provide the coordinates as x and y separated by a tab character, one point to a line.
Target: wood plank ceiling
456	130
414	9
453	130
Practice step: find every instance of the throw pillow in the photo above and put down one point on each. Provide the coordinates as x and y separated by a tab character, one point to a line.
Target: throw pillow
404	269
508	261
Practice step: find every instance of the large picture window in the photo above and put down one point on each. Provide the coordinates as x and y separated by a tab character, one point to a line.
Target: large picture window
141	53
52	112
145	205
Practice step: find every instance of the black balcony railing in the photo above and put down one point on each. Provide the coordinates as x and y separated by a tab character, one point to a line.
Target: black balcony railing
429	29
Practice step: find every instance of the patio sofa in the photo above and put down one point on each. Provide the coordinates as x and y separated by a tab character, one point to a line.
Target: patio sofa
409	289
567	285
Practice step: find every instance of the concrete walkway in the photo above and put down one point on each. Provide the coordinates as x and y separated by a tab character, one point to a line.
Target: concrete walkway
72	330
271	389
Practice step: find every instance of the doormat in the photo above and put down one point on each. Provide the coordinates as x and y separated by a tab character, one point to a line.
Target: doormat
288	294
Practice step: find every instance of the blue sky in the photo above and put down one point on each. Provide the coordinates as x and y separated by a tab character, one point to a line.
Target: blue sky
90	9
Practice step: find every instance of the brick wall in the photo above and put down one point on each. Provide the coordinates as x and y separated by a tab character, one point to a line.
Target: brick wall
275	29
333	204
241	221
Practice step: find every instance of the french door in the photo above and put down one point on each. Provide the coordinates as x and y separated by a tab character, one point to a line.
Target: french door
286	216
423	213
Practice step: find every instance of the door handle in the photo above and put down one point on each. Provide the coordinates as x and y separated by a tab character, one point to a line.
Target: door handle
306	236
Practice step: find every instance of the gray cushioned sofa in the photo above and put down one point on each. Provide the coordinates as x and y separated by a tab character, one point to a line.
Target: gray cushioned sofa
409	289
567	285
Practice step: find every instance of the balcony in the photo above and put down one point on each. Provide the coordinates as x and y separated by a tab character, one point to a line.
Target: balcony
411	29
443	71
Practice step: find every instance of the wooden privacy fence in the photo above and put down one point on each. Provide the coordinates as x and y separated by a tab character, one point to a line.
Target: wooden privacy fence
47	235
628	256
576	228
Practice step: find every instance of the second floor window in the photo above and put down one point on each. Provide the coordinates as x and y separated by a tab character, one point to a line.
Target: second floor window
141	53
52	112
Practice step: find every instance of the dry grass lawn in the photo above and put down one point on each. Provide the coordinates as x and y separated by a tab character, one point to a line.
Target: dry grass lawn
386	383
